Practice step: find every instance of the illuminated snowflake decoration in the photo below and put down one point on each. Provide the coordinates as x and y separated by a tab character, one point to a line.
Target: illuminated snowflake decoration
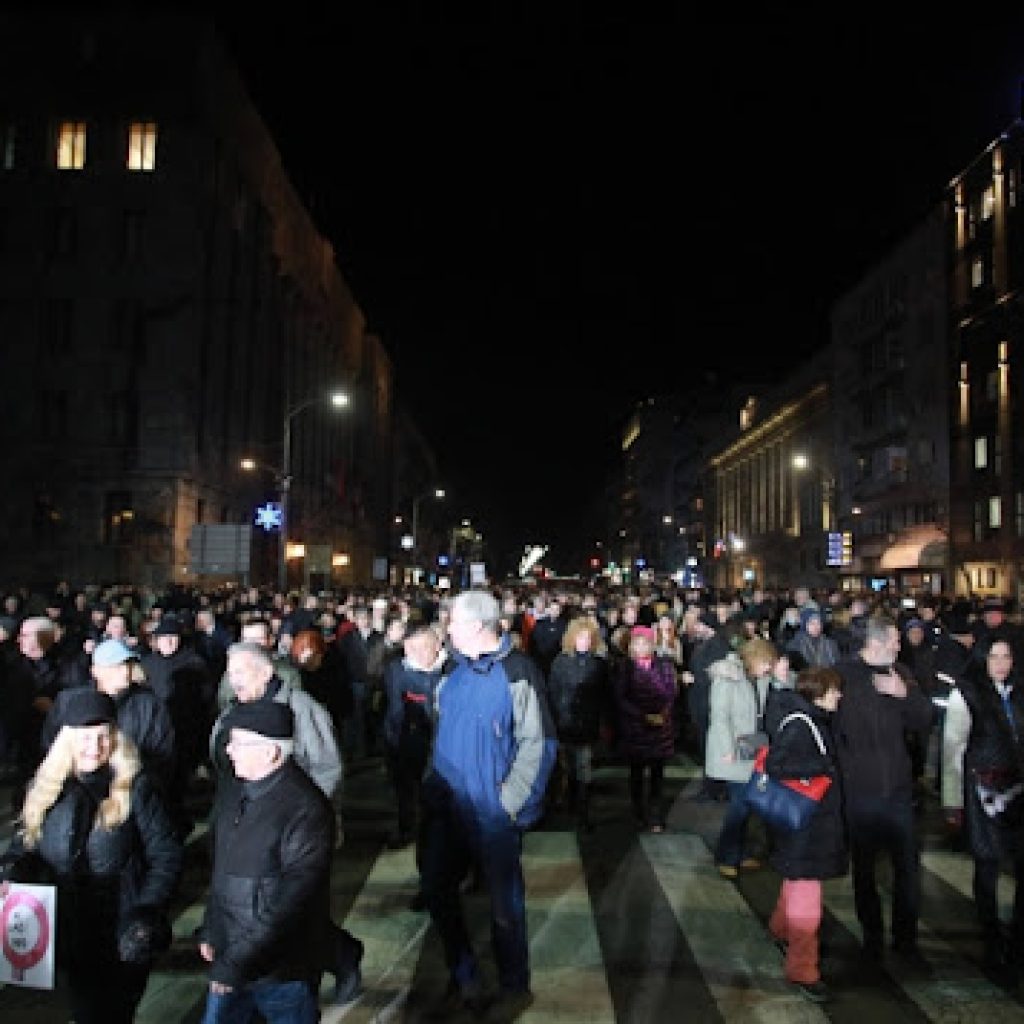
269	516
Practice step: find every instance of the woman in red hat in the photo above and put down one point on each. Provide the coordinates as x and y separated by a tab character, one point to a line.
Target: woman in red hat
644	686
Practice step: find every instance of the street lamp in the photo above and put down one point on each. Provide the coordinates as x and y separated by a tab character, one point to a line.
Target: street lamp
339	400
437	492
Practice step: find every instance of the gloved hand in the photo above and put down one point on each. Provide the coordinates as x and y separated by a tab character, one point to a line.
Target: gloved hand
146	933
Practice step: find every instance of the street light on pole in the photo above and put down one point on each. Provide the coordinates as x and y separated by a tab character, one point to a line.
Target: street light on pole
338	399
437	492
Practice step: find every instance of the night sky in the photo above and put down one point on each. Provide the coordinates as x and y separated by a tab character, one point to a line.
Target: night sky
549	216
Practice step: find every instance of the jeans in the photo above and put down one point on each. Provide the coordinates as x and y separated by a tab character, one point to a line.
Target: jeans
729	849
451	843
278	1002
878	825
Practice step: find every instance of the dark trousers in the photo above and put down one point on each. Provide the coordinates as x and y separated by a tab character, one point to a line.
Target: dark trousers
451	842
406	775
106	994
646	780
885	826
986	877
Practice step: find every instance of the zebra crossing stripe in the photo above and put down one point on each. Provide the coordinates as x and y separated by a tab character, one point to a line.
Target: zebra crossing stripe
957	871
567	972
392	935
736	957
567	969
952	989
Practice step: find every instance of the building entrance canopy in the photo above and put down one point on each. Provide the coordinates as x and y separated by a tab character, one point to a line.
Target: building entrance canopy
917	547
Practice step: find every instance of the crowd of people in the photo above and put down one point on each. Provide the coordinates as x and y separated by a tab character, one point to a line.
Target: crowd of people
488	709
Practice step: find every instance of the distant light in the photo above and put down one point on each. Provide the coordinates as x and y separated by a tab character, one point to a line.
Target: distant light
295	550
247	464
340	559
339	399
799	461
407	541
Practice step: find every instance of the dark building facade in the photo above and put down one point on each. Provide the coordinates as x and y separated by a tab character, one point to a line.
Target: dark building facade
986	248
890	384
166	304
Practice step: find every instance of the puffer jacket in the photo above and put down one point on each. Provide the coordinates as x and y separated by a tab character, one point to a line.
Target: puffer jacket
268	912
577	692
101	875
495	744
644	700
737	707
820	850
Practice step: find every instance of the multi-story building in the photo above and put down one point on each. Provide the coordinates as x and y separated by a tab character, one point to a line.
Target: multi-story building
167	306
770	489
889	388
986	251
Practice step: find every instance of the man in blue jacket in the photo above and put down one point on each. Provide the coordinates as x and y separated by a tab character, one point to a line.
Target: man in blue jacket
493	754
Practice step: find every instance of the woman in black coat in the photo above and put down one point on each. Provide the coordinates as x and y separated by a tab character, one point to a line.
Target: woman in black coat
983	788
578	694
95	826
820	850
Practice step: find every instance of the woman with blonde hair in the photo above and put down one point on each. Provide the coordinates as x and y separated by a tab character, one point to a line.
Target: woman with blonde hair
741	686
94	825
578	697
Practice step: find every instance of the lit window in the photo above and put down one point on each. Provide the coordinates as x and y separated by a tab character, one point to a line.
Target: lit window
142	146
977	272
988	203
71	145
995	512
980	452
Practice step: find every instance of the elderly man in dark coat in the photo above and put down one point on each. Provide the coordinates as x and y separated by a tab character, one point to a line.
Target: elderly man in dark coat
267	915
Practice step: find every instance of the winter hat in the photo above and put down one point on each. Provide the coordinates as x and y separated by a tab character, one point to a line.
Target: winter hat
169	625
87	706
112	652
644	631
915	624
806	614
265	717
